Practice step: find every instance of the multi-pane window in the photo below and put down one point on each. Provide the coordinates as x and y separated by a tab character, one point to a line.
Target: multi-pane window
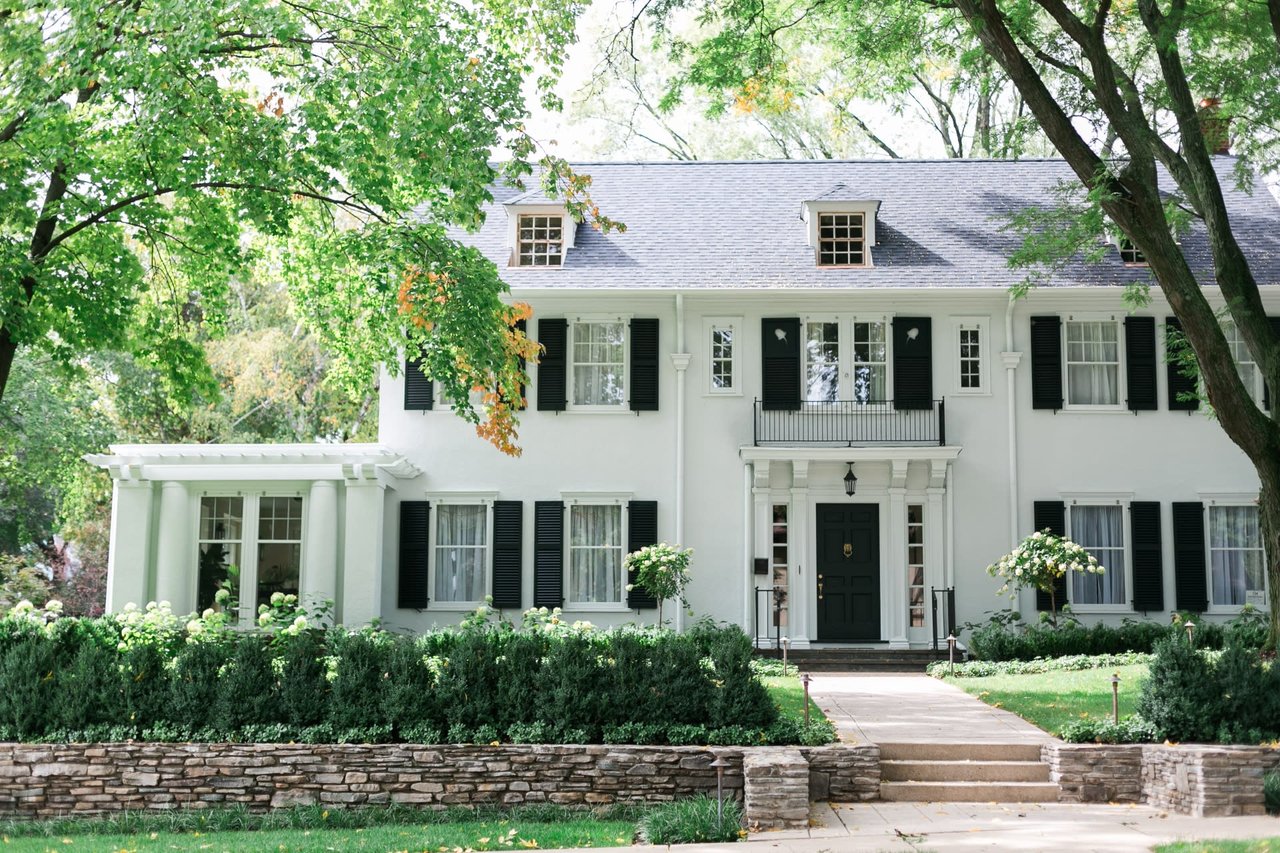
220	542
599	363
915	565
970	358
869	356
779	564
822	362
541	242
1099	529
1236	557
1093	362
841	240
279	546
1129	253
595	554
462	534
1245	365
722	358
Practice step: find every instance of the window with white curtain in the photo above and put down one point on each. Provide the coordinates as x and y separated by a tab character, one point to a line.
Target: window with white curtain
1100	530
599	363
595	554
1236	558
1093	362
461	553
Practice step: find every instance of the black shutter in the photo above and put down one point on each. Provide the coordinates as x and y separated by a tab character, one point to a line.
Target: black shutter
552	334
548	553
644	364
1189	582
1140	362
912	363
419	395
780	363
508	544
1051	516
1148	559
1046	362
642	531
522	326
1180	385
415	552
1266	389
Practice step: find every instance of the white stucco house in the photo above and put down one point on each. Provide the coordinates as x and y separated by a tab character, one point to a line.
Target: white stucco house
812	373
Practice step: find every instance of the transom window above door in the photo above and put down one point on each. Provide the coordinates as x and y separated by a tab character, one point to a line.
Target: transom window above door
1092	362
845	360
599	357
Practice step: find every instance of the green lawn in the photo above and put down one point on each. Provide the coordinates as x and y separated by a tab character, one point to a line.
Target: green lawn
1261	845
788	692
497	835
1051	699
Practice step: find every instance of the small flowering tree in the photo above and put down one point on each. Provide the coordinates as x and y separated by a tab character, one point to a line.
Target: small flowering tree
663	570
1040	561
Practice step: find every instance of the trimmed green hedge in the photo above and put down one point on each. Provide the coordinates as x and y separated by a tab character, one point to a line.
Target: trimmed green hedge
985	668
148	675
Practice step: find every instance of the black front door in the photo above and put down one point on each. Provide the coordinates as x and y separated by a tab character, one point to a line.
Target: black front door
848	572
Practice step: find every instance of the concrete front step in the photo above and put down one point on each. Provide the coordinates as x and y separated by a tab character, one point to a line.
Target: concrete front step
969	792
963	771
971	751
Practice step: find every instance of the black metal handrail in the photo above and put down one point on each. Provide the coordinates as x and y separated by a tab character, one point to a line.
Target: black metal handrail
947	627
851	423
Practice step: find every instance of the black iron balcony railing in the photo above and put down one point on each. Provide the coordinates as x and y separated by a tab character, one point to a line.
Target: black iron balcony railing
851	423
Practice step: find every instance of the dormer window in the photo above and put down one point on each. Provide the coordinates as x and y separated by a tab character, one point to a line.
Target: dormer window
541	240
841	240
1130	254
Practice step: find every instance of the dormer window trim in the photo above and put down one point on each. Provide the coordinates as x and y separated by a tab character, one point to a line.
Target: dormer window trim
813	214
515	216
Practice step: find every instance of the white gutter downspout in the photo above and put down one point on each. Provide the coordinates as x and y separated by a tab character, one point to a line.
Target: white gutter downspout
680	359
748	567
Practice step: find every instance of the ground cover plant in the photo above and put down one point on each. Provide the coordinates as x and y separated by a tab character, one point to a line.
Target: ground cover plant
1255	845
147	674
697	820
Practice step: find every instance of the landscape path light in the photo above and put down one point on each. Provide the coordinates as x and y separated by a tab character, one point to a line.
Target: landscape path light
951	654
785	642
1191	634
804	679
1115	698
720	764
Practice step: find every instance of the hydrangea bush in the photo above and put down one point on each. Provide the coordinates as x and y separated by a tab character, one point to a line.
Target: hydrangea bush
663	570
1040	561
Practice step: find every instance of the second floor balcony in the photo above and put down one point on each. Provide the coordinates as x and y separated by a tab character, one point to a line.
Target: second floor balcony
851	423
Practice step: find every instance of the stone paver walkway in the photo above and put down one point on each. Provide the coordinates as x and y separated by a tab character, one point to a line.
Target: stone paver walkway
898	708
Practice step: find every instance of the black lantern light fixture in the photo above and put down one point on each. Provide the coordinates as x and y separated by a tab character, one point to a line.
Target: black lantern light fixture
850	481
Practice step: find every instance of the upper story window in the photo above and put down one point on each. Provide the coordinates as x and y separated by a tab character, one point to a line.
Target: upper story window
722	361
1092	362
1130	254
841	240
856	371
599	357
1099	529
1250	375
541	240
1237	561
595	554
461	552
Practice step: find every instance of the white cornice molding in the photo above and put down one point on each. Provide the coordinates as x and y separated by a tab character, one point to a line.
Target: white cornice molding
253	462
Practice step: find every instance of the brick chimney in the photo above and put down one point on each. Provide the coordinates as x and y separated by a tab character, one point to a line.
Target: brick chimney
1216	129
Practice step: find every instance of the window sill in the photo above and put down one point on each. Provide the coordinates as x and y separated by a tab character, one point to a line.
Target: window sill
1100	609
971	393
454	606
598	410
594	607
723	394
1096	410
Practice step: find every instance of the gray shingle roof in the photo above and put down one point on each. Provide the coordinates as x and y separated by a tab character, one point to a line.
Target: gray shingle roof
738	225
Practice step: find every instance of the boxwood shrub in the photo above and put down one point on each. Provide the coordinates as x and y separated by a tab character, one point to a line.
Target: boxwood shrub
147	674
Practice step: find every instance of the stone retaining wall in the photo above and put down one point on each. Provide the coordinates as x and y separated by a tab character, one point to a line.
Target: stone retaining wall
39	780
1203	781
776	789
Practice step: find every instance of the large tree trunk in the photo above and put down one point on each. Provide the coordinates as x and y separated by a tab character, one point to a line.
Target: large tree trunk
1269	516
8	350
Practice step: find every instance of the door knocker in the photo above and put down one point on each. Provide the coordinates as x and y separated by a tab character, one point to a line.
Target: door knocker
848	551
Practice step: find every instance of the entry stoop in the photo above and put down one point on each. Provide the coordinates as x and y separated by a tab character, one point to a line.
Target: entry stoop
965	773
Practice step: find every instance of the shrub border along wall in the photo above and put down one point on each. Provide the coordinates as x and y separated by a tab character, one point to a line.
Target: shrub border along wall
1194	779
52	780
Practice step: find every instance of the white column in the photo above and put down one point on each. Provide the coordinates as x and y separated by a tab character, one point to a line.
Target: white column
681	362
320	551
802	598
130	553
763	529
175	549
895	555
362	556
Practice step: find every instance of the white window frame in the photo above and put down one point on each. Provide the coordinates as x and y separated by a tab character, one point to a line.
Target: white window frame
1126	548
568	230
1122	389
247	613
710	325
869	208
845	365
959	325
922	565
571	364
1225	500
1232	333
620	500
439	499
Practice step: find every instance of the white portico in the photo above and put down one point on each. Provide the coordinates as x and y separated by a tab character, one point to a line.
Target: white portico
299	518
798	499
